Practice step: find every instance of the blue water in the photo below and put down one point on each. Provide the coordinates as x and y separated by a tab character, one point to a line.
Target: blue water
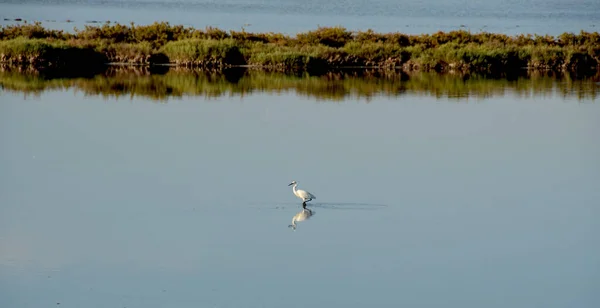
291	16
421	201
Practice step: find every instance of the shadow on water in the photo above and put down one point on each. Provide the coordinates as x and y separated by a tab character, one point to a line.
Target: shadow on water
160	83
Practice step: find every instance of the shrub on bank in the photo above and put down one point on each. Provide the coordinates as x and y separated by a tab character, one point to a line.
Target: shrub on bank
40	52
204	52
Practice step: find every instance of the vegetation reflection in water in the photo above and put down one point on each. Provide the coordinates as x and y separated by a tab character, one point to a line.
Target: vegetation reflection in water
163	82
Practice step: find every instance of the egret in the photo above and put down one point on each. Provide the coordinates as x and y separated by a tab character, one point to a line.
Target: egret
301	216
302	194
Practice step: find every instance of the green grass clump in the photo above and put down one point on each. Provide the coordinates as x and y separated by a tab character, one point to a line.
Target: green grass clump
282	57
157	34
204	52
470	57
328	36
269	37
26	48
46	53
35	30
287	59
376	53
127	52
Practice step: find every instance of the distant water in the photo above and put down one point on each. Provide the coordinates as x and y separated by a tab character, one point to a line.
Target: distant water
291	16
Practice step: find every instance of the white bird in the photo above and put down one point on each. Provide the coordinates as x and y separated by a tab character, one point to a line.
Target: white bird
301	216
302	194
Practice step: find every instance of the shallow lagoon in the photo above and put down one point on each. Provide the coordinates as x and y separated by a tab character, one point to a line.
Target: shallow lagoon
423	200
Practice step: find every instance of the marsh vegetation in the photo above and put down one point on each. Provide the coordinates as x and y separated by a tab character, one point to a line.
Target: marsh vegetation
325	48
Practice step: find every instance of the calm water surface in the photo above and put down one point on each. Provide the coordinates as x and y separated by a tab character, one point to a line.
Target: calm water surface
422	201
291	16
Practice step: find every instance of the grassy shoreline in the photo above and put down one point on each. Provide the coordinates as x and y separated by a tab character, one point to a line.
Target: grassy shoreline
322	49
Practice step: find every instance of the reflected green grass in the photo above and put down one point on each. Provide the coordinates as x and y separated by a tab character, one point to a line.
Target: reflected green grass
125	82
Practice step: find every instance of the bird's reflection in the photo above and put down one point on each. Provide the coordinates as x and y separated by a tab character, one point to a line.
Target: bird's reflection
301	216
306	213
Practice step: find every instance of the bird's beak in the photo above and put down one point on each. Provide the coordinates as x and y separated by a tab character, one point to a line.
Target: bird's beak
290	184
